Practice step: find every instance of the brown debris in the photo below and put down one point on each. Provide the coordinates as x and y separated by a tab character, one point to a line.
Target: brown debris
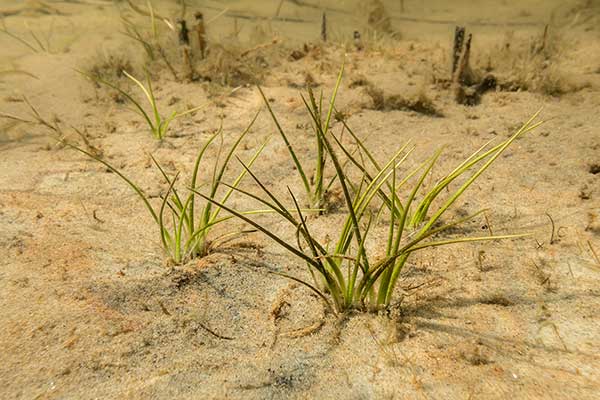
466	86
324	27
201	32
420	104
184	41
358	45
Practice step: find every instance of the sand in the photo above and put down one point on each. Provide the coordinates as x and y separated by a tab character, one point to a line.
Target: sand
92	309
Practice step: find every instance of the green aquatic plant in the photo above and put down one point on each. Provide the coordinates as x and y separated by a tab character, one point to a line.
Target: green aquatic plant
184	229
316	187
348	276
156	121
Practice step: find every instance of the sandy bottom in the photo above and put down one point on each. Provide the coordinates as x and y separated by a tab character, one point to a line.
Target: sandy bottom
92	309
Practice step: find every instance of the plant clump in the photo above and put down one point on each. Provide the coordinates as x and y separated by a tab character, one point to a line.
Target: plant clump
348	275
183	227
156	121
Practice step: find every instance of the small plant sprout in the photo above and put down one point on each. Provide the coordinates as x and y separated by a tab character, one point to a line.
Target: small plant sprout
316	187
157	122
184	228
349	275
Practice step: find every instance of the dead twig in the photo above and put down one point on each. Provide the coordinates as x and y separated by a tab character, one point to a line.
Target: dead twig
258	47
553	228
215	334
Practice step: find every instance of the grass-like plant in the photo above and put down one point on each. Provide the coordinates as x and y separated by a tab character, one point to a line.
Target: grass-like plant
183	228
36	46
150	41
156	121
315	187
348	276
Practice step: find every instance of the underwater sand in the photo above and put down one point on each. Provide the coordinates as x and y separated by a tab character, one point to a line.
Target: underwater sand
92	310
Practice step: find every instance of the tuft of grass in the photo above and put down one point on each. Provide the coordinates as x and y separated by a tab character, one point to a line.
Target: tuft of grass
316	187
349	276
156	121
36	45
184	228
53	125
533	63
150	37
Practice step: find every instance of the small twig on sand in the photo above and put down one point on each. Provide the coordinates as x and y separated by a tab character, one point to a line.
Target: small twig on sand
553	228
260	46
215	334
